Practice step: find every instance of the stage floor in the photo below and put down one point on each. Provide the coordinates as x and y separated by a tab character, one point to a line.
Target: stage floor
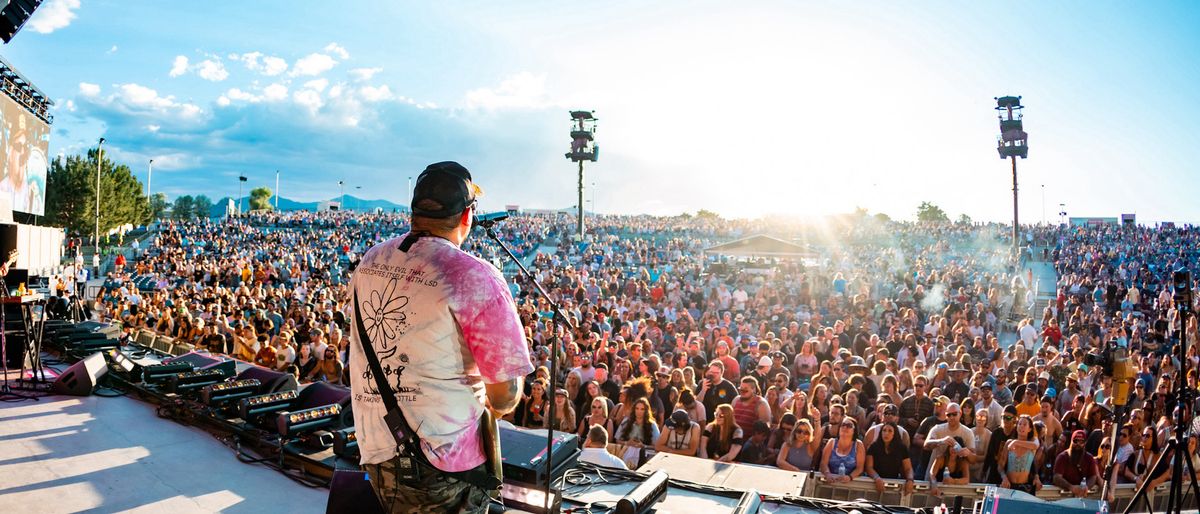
94	454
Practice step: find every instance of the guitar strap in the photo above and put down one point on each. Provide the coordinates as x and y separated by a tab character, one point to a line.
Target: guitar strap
407	442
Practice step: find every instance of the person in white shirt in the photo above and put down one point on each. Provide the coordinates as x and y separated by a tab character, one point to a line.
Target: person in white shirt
595	450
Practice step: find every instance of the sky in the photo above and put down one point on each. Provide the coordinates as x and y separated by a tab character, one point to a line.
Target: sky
743	108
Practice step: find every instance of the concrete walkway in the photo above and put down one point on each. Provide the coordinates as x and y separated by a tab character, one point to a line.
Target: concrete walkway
93	454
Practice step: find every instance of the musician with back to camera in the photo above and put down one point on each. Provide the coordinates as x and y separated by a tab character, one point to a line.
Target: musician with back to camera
447	336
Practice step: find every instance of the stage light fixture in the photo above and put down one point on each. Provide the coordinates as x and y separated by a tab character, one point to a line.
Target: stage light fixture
191	380
228	391
290	423
160	372
266	403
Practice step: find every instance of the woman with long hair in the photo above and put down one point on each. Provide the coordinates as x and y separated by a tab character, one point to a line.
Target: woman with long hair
888	458
531	411
844	456
800	450
799	406
820	401
773	406
564	413
722	439
1138	467
967	412
589	390
638	431
598	415
983	437
805	363
1017	460
573	385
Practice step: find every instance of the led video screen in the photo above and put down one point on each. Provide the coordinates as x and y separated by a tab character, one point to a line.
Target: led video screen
25	142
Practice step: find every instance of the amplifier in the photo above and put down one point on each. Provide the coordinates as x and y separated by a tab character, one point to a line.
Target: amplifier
523	452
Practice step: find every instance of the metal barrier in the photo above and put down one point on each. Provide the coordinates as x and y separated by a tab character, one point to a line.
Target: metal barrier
864	488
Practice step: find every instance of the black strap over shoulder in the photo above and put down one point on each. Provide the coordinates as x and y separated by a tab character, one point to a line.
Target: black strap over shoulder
397	424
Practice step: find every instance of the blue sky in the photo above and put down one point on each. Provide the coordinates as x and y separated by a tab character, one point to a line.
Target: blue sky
796	108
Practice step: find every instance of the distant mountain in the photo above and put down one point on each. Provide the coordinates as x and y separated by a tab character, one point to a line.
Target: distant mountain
286	205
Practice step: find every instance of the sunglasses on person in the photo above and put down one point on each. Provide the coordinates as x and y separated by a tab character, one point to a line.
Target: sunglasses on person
1009	417
804	432
952	414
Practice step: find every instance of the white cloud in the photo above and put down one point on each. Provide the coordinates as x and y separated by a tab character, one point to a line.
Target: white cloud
317	85
313	64
88	89
523	90
337	50
212	70
275	92
363	74
179	67
112	50
137	101
375	94
273	66
238	94
53	15
69	105
262	64
153	128
309	99
271	93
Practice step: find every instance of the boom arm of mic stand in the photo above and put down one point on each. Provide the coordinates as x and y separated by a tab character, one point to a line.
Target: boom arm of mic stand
554	345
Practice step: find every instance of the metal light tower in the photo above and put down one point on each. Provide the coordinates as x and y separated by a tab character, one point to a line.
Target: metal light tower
1013	143
276	190
583	148
99	159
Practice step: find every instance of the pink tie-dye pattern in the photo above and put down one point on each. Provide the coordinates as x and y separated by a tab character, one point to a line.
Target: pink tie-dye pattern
483	306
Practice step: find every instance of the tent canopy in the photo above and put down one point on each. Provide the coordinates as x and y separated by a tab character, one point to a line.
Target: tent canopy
760	246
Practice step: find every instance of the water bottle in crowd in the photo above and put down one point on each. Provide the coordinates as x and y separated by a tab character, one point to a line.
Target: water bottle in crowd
842	469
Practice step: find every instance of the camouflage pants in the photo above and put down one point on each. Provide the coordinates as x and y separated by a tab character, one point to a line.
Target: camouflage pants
436	492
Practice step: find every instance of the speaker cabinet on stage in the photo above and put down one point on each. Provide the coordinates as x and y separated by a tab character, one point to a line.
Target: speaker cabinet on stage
81	378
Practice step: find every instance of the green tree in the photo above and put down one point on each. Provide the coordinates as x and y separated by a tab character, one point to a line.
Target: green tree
927	211
158	206
707	214
260	199
202	206
883	218
964	219
71	194
184	208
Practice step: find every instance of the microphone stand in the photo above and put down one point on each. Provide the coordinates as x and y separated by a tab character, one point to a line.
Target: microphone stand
489	228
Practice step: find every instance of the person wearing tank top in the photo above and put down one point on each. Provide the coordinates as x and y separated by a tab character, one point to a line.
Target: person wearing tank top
749	407
800	451
681	437
843	457
1017	459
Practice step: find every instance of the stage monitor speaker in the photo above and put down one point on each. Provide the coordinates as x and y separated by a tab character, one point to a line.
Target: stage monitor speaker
81	378
204	361
14	15
350	493
523	450
272	381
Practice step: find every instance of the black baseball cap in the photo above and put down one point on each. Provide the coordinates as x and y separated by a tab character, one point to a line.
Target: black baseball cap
447	184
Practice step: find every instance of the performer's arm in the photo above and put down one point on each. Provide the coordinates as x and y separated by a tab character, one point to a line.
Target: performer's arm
503	396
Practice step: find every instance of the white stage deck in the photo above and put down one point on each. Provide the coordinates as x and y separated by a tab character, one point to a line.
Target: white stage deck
93	454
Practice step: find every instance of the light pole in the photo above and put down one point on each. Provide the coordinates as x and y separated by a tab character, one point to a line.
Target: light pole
583	148
276	190
1013	143
358	199
99	159
149	177
410	197
241	179
1043	204
342	202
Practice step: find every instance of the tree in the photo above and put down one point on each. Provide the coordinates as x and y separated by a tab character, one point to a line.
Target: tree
927	211
964	219
71	194
260	199
184	208
882	218
202	207
707	214
158	206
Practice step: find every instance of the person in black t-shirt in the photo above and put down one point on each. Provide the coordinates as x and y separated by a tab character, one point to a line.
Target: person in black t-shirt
888	458
715	390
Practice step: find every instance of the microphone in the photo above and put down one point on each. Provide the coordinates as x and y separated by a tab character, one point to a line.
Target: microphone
489	220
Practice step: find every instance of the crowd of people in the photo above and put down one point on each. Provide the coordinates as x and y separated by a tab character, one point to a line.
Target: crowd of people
885	350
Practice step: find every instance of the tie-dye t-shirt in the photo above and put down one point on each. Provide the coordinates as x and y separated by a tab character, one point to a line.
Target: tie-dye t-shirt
443	324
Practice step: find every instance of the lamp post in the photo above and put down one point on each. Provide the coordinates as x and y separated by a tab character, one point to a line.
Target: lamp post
276	190
1013	143
241	179
583	148
342	202
99	160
